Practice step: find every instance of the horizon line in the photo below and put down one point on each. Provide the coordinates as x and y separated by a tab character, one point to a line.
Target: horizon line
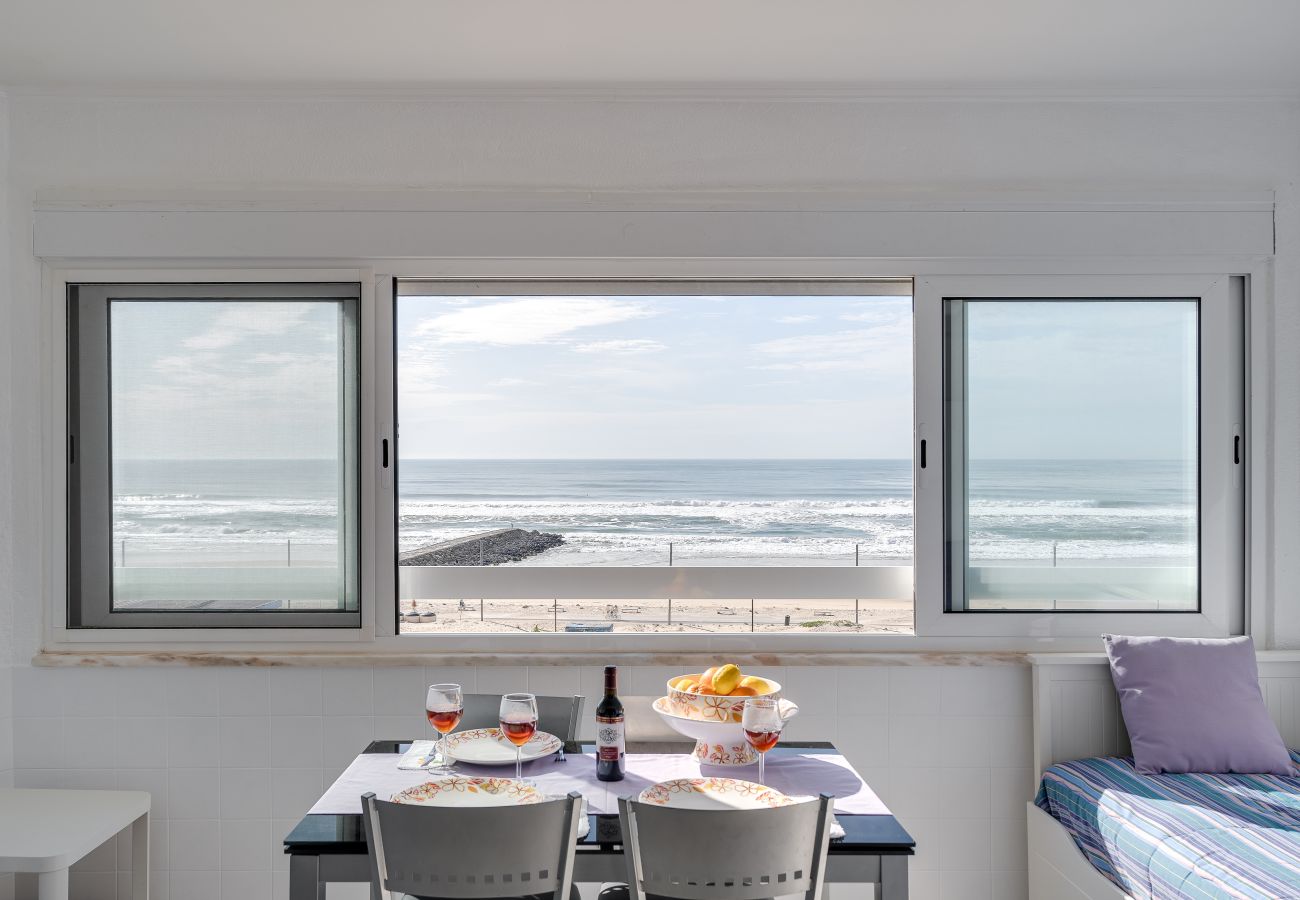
1022	459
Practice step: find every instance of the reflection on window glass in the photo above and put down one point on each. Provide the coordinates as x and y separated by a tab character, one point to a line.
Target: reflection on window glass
587	431
1073	454
227	456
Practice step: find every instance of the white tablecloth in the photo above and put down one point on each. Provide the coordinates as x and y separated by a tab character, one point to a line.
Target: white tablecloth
789	770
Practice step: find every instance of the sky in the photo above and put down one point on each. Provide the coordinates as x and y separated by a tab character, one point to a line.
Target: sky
1060	379
216	379
654	377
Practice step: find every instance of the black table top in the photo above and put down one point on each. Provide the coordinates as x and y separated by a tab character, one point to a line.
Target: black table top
322	834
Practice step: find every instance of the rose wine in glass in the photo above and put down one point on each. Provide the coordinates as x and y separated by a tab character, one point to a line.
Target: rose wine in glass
762	724
518	723
444	705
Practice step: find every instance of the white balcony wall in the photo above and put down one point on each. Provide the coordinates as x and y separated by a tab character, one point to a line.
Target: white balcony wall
232	756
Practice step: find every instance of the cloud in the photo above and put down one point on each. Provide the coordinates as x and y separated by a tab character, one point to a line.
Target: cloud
420	367
634	346
794	320
529	320
871	316
512	382
883	348
245	320
878	310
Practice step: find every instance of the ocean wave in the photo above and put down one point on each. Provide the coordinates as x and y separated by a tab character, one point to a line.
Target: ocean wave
804	517
657	515
876	528
897	545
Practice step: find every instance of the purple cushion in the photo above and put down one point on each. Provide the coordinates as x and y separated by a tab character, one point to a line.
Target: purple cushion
1194	705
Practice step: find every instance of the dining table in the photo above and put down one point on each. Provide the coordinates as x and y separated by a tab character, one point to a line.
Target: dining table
329	845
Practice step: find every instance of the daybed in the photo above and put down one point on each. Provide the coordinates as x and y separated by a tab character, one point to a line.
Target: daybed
1099	830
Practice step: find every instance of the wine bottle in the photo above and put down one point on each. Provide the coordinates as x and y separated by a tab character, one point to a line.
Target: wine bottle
611	749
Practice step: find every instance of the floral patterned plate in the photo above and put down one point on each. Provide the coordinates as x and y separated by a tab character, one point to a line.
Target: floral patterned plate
487	747
458	791
713	793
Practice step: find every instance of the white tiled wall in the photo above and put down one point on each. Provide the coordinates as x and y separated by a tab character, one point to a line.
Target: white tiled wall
233	756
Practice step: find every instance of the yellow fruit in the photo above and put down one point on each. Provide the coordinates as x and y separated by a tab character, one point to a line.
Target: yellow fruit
684	683
760	686
726	678
706	680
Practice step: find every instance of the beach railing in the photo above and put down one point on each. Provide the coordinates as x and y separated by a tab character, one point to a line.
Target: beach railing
155	551
636	598
697	616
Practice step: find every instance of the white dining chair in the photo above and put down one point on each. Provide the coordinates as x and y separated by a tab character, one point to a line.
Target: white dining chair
471	853
557	715
741	854
646	726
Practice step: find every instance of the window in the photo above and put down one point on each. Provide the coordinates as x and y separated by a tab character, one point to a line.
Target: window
1091	449
964	455
654	457
1072	454
212	455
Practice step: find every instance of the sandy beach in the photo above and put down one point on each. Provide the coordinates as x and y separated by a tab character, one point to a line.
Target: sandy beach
652	616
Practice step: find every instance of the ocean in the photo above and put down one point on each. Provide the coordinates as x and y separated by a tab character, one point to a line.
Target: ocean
627	512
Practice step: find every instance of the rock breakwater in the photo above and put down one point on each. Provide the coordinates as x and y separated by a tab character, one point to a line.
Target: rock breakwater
490	548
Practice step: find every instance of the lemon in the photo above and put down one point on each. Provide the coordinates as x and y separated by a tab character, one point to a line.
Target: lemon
727	678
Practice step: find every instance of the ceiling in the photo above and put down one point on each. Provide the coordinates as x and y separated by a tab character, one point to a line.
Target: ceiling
947	46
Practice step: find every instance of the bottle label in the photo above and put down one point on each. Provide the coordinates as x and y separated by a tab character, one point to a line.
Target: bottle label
610	743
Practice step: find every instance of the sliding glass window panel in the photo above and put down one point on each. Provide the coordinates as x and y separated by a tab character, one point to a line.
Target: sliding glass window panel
217	468
1073	477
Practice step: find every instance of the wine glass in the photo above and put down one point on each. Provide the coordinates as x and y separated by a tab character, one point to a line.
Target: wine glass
762	723
518	724
444	705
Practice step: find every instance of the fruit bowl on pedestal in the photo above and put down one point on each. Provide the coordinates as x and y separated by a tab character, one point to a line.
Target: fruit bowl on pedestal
718	742
685	698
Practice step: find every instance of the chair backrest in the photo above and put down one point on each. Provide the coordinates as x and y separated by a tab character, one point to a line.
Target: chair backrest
471	853
644	725
726	854
559	716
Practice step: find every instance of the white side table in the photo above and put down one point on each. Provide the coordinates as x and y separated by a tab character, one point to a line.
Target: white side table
46	831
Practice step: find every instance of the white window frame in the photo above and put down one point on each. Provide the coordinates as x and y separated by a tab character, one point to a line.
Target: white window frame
376	639
57	630
1223	482
90	594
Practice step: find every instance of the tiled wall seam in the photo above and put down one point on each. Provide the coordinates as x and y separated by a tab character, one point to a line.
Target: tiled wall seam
233	757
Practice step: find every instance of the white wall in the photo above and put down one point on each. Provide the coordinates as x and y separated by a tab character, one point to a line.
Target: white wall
6	521
947	748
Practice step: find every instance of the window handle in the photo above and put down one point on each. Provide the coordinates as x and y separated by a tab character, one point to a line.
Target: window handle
383	449
922	453
1236	450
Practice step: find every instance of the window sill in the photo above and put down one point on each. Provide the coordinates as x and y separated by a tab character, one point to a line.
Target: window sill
391	659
